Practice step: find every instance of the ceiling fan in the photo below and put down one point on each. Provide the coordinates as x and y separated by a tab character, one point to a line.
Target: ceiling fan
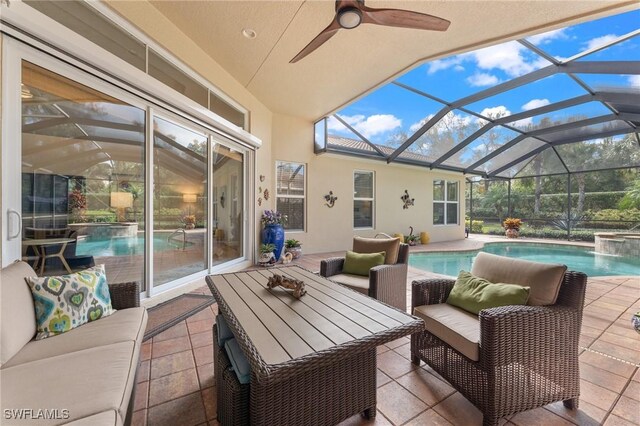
351	13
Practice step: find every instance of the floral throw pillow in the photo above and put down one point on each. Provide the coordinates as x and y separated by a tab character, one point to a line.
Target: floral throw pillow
67	301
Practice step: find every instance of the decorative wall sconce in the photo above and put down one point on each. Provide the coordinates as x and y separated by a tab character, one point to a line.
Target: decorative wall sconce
330	199
407	200
261	178
266	194
222	200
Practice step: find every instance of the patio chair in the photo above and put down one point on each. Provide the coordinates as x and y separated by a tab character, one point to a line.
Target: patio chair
386	283
511	358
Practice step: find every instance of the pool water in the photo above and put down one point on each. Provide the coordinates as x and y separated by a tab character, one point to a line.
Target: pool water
122	246
576	258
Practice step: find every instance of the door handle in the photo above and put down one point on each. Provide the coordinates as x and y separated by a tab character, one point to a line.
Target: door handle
17	214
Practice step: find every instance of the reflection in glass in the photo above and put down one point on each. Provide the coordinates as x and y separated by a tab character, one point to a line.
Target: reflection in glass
227	204
290	193
80	146
180	200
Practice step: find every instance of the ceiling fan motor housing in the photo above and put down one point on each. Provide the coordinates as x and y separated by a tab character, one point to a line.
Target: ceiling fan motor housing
349	17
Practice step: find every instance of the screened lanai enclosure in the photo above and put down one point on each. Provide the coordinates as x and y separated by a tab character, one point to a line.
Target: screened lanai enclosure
534	119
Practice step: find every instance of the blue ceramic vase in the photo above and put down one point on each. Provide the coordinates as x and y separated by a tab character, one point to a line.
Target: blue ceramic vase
274	234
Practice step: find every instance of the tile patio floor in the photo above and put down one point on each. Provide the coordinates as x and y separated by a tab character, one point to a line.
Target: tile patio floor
176	386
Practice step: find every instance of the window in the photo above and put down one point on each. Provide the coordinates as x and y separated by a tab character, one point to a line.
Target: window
363	199
290	193
445	202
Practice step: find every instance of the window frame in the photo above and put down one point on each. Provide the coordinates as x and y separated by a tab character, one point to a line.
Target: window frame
372	198
446	202
303	197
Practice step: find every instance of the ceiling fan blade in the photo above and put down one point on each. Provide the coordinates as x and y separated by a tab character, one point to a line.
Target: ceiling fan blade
404	19
320	39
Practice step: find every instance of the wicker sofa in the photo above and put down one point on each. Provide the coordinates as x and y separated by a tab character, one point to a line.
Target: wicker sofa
386	283
508	359
85	376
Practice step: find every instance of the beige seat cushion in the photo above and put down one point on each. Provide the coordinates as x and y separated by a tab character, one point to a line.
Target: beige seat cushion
17	314
106	418
126	325
391	247
85	382
354	282
544	279
458	328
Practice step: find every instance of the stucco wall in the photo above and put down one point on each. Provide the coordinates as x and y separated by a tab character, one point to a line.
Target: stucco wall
329	229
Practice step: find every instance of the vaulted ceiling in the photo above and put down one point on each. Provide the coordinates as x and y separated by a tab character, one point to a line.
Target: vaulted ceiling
353	61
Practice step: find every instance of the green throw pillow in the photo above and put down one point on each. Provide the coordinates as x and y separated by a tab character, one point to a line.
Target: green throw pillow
474	294
360	263
68	301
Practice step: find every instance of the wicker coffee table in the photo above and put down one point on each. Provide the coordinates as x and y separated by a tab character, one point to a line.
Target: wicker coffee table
313	360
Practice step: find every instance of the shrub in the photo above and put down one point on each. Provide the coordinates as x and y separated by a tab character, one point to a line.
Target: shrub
476	226
512	223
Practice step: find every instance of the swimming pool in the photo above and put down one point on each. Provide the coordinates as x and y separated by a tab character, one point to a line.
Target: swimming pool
123	246
576	258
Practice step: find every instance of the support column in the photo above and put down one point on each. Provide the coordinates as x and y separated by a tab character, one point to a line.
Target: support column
509	199
568	206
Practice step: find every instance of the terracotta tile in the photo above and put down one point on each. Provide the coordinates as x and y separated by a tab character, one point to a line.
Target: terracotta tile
633	390
602	377
205	375
358	420
625	342
142	374
205	314
142	396
381	349
173	363
616	351
210	401
404	351
397	404
628	409
171	346
614	420
606	363
538	417
201	326
596	395
636	377
145	351
429	417
201	339
425	386
187	410
586	415
459	411
173	386
623	330
139	418
203	355
398	342
393	365
177	330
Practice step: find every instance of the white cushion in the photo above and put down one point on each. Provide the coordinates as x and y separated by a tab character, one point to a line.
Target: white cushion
354	282
457	328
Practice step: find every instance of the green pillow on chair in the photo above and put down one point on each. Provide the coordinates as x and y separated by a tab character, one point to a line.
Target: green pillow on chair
474	294
360	263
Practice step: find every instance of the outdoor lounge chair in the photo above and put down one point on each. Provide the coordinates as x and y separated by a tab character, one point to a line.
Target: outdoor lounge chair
511	358
386	283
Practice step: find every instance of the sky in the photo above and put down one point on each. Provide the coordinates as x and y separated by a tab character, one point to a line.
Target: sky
394	111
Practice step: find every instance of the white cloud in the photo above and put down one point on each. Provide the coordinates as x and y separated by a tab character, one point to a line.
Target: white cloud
415	126
367	126
634	80
458	68
495	112
443	64
599	41
480	79
546	38
508	57
523	123
535	103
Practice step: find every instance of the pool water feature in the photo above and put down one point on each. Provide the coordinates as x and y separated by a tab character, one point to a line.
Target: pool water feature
581	259
124	246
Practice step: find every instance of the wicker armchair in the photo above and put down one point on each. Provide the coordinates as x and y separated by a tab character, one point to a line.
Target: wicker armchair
386	283
528	355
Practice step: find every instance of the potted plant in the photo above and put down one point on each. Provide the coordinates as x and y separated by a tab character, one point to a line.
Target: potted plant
294	247
266	254
273	232
412	240
512	227
189	221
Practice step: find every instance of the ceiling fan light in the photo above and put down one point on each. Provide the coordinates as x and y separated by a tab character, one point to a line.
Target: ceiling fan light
349	17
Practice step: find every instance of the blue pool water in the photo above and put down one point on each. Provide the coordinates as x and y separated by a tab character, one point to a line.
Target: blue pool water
576	258
122	246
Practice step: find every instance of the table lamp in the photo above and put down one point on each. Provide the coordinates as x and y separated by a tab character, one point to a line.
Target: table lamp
189	199
121	201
